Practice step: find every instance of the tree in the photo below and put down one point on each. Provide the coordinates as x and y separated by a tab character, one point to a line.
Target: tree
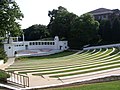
115	35
84	31
60	22
105	30
10	14
53	14
110	29
2	53
36	32
77	30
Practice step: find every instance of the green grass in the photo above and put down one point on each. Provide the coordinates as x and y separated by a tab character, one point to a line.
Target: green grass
60	66
67	61
70	61
116	51
114	85
48	68
74	69
61	54
47	60
95	70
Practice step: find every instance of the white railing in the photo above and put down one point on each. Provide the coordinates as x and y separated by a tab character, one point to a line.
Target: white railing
103	46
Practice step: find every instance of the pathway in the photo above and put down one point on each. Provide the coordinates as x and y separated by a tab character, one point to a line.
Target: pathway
46	81
9	62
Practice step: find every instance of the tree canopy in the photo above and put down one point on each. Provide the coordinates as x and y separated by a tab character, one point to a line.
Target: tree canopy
60	22
36	32
10	15
110	29
77	30
84	31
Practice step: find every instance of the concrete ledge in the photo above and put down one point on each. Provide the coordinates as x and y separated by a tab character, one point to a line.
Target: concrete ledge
88	74
102	46
9	87
1	62
66	83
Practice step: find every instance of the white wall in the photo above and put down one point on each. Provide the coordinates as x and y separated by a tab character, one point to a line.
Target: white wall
27	45
9	49
1	62
63	45
103	46
43	44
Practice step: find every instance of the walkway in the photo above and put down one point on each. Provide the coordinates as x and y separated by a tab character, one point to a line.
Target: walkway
45	81
9	62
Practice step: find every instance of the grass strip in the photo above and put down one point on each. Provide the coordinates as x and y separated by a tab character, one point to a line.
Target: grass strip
63	75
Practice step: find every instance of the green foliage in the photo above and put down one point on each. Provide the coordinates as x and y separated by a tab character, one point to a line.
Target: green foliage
3	55
60	22
77	30
3	76
114	85
110	30
84	30
10	14
116	30
36	32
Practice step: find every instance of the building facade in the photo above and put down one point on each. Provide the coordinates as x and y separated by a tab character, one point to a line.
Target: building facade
13	47
103	13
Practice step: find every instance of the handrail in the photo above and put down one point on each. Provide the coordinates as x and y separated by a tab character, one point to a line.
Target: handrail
17	79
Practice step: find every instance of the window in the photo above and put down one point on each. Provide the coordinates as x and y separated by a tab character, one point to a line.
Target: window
53	43
33	43
104	16
99	17
30	43
9	47
36	43
45	43
50	43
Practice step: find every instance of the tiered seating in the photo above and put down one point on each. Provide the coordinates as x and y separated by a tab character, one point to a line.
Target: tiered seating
70	65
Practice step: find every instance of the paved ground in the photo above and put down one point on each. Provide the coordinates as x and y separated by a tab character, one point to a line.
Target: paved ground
45	80
9	62
40	81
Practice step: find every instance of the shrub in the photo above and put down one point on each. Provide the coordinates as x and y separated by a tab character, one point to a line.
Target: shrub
3	76
2	53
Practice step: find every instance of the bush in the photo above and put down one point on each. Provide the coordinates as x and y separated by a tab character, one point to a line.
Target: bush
3	76
3	55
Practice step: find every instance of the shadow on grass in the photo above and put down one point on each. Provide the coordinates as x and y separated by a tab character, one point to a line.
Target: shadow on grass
57	55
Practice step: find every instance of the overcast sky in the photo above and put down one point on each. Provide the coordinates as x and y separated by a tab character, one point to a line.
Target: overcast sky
36	11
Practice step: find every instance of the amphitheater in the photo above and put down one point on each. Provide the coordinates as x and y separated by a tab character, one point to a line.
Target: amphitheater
69	66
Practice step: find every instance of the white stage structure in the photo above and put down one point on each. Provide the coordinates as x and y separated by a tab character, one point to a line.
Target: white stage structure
14	45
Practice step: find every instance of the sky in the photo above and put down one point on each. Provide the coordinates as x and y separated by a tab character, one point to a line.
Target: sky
36	11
